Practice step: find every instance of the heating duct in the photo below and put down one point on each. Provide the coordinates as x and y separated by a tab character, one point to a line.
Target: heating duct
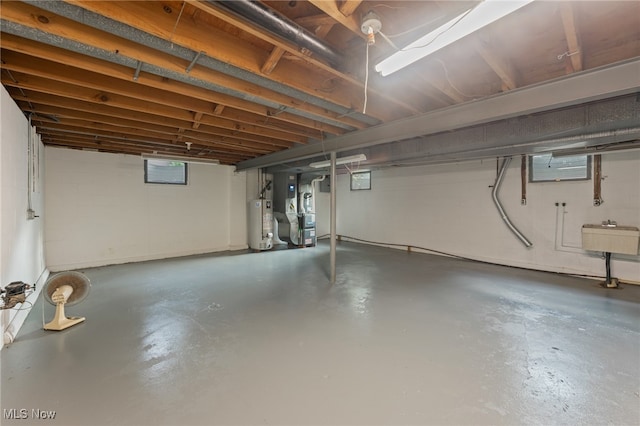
280	26
503	214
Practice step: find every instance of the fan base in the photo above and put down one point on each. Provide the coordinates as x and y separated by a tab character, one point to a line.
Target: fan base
62	323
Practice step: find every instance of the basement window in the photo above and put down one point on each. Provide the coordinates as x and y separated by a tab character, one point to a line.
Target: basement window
360	181
165	172
547	168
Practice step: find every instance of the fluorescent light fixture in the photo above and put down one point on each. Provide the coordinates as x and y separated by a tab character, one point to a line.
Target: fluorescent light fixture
184	159
461	26
339	161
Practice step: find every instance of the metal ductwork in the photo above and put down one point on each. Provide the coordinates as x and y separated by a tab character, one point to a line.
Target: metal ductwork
503	214
281	26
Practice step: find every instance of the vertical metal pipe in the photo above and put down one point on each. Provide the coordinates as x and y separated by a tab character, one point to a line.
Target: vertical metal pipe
503	214
332	254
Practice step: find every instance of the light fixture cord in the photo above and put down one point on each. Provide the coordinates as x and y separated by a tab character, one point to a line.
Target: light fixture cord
453	86
176	24
446	30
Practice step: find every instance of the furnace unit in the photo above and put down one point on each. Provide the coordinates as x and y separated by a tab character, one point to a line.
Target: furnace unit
292	207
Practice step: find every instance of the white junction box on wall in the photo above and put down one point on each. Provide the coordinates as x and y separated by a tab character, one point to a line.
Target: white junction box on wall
612	239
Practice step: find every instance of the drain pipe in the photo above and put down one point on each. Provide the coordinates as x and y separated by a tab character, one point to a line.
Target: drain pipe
503	214
281	26
31	213
313	191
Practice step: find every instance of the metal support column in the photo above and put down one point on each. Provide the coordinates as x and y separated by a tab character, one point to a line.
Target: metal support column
332	254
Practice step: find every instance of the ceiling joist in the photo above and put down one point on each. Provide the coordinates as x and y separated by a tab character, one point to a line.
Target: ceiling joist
571	33
191	77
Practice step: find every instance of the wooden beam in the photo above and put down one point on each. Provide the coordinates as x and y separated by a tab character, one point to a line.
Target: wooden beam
62	105
272	60
55	54
571	33
315	20
323	30
23	14
319	24
104	140
89	80
59	130
347	7
218	110
197	116
500	65
442	86
134	149
189	135
289	76
80	126
331	8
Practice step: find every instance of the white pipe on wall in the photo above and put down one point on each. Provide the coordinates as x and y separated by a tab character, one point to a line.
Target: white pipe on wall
559	240
313	192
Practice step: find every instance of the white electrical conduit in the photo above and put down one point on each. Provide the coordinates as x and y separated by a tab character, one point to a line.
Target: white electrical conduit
503	214
30	165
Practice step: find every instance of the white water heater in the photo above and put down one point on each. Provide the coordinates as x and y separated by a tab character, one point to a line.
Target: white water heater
260	224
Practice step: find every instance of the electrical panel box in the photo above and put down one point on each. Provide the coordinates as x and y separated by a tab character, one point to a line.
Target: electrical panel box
325	185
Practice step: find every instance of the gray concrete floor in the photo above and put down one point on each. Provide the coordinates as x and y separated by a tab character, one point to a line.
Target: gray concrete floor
264	339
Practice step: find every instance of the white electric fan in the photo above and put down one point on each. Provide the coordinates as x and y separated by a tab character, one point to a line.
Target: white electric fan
65	288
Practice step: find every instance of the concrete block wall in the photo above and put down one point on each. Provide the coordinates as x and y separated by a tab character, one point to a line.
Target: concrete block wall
21	243
100	211
449	208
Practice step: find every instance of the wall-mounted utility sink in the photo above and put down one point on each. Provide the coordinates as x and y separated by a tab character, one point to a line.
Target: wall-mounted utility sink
612	239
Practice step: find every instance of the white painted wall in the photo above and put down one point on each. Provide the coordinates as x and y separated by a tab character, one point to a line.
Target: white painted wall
100	211
238	238
21	242
323	212
449	208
